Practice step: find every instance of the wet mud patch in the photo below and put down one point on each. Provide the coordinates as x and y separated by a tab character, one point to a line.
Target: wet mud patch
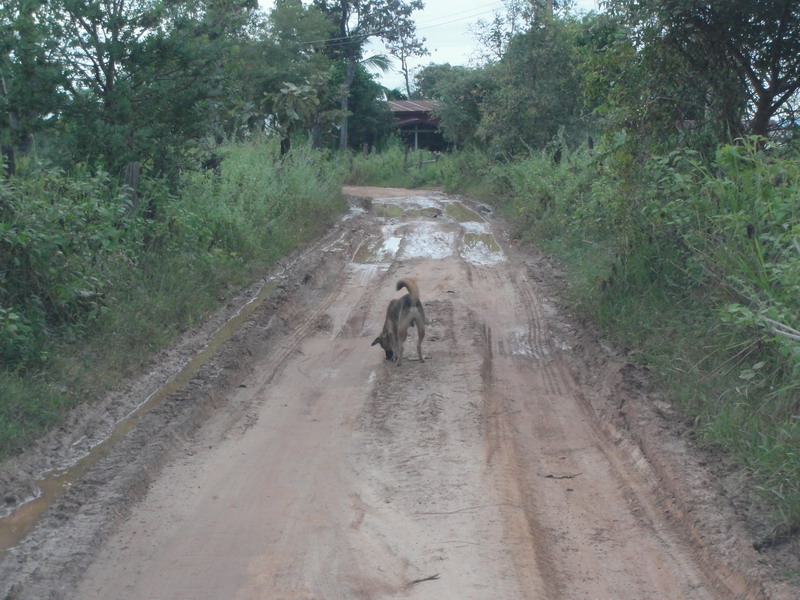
387	210
377	250
461	214
481	249
469	237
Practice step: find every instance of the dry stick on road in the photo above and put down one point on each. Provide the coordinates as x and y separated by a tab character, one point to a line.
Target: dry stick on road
551	476
430	578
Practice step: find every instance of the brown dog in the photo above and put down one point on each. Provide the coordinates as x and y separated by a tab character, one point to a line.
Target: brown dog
401	314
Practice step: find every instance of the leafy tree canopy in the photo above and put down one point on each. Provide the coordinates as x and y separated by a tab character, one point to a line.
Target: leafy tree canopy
745	53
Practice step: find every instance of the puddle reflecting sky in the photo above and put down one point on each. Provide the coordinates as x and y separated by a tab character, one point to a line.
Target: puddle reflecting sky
428	237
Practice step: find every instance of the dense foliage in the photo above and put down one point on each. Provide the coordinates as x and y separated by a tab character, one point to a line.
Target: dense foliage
139	140
89	285
109	83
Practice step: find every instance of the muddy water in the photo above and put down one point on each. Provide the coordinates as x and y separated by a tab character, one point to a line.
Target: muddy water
472	240
462	214
53	484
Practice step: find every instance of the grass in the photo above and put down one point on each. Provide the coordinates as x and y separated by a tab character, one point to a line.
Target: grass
213	237
397	167
686	263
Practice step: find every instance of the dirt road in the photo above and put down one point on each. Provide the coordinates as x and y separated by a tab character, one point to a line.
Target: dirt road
302	465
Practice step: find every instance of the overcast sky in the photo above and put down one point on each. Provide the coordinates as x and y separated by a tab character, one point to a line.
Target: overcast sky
448	27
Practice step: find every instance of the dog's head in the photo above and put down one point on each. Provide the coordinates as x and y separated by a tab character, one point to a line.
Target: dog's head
385	345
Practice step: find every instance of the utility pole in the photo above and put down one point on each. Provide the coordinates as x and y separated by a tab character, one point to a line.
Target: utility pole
7	159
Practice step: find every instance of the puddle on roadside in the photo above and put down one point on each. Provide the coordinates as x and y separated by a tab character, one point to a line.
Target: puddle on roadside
387	210
395	211
377	251
460	213
53	484
429	212
485	239
477	246
481	249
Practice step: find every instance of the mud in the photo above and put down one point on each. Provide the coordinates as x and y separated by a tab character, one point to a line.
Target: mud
525	458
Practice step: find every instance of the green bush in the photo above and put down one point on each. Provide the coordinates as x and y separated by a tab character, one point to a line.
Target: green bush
60	238
693	263
90	284
397	166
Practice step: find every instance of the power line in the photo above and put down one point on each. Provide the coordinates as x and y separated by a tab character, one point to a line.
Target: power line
481	11
357	39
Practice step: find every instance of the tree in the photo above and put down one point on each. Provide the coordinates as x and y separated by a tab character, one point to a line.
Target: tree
461	92
30	76
144	77
746	53
374	122
288	55
538	90
403	49
294	105
494	35
357	21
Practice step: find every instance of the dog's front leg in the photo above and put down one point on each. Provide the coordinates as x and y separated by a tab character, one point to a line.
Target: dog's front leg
400	343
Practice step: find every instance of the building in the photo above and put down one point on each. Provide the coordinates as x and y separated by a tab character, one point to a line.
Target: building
419	127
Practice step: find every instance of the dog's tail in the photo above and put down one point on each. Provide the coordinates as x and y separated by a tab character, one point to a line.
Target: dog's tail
412	288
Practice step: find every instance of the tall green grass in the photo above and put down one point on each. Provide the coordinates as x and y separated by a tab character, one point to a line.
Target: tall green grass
91	286
694	265
397	166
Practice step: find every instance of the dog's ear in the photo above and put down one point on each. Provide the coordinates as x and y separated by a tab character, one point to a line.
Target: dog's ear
377	341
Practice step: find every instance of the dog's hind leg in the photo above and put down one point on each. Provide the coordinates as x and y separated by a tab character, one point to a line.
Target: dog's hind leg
420	337
401	342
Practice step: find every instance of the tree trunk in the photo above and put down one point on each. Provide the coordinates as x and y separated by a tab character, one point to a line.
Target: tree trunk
9	162
315	137
7	150
760	124
132	170
408	83
348	81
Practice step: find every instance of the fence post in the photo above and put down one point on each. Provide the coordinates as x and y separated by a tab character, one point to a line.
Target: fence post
131	184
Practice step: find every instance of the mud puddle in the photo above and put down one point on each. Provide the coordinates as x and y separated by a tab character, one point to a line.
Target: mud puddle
53	484
468	236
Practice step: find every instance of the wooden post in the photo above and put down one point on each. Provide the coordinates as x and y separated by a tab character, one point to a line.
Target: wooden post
132	183
7	151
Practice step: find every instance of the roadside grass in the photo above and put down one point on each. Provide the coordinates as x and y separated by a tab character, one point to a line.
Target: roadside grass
104	310
397	166
693	265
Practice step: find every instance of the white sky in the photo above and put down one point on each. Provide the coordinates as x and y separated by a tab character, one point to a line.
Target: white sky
448	27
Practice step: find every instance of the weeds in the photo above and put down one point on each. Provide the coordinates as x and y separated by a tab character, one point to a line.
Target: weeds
692	264
397	166
90	287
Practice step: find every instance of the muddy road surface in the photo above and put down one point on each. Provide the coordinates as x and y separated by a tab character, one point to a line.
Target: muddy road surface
522	460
